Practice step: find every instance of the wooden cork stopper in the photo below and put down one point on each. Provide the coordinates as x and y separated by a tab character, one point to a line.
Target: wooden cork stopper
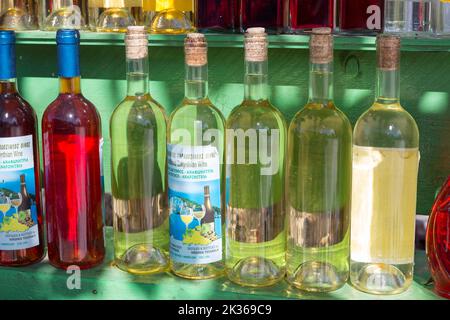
196	50
388	52
136	42
321	46
256	44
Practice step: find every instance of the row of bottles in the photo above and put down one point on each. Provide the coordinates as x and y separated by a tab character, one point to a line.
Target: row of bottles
200	194
405	17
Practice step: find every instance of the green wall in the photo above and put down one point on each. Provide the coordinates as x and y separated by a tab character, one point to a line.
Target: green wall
425	87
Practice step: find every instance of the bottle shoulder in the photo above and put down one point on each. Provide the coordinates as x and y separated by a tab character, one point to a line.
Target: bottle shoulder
256	115
202	110
16	111
388	126
138	109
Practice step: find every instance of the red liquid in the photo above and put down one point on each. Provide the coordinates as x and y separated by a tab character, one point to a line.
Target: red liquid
308	14
71	133
438	241
361	15
216	14
17	118
262	13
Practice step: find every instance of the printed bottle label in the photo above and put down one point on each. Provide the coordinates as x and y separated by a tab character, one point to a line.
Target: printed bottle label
195	206
18	213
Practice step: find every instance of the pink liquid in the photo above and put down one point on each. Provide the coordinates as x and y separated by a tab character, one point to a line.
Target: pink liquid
71	137
216	14
308	14
262	13
361	15
438	241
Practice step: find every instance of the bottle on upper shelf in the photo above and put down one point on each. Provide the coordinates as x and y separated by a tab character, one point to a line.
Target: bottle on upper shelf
384	184
360	16
305	15
169	16
20	201
408	17
269	14
18	15
319	173
196	170
441	17
114	15
63	14
138	163
256	145
438	241
216	15
71	136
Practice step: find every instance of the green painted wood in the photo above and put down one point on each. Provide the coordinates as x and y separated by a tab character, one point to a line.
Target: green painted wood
425	83
41	281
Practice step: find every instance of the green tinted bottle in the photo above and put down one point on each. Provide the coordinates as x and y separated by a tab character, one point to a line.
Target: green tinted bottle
138	163
319	180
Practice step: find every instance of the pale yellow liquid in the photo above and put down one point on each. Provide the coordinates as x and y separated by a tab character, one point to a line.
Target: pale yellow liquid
383	212
186	219
5	207
199	215
16	202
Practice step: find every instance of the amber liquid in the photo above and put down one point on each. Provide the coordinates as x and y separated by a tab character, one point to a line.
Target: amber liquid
17	118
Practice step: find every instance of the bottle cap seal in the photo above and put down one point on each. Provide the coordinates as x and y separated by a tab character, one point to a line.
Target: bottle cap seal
321	46
136	42
256	44
196	50
388	52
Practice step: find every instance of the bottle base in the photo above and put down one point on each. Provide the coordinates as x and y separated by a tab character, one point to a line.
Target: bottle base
445	293
83	265
381	278
171	21
115	20
317	276
143	259
197	271
256	272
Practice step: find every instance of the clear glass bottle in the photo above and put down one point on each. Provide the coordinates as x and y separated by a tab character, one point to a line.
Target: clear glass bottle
196	172
441	17
71	135
169	16
360	16
114	15
18	15
63	14
319	162
138	155
20	201
408	17
384	184
255	233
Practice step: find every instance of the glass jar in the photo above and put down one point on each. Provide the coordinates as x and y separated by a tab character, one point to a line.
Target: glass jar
114	15
18	14
169	16
62	14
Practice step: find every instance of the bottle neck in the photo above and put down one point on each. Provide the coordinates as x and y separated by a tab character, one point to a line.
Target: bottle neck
137	77
321	83
388	86
23	188
8	86
196	82
69	68
256	80
70	85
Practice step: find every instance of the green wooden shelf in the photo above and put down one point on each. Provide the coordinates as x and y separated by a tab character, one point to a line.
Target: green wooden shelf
42	281
236	41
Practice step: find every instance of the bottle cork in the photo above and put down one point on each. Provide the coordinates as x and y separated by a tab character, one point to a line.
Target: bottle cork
196	50
136	42
256	45
388	52
321	46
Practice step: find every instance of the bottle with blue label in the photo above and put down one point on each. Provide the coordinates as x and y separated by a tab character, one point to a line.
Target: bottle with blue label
195	161
21	237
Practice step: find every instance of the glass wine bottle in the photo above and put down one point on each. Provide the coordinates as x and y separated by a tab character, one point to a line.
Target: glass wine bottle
384	190
255	235
63	14
308	14
262	13
71	134
216	15
20	201
319	166
138	152
408	17
169	16
438	241
196	173
18	15
114	15
360	16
